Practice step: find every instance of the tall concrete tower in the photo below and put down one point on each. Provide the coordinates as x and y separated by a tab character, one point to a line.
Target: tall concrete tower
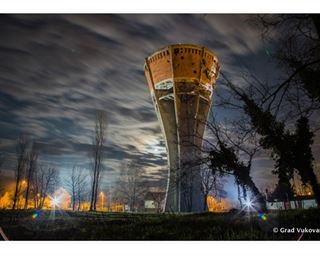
181	79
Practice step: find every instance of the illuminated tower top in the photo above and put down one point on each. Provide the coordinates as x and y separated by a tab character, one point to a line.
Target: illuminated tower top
183	62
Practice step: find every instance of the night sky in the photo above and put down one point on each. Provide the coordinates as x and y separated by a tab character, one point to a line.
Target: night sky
56	71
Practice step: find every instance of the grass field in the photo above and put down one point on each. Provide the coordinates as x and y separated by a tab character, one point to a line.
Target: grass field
67	225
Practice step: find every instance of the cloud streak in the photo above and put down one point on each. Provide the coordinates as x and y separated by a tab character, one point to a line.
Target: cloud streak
57	70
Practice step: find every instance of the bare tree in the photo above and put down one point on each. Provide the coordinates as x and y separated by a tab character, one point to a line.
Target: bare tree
47	180
231	151
209	185
297	50
76	184
21	153
81	190
131	185
71	183
32	165
290	149
158	197
116	196
98	145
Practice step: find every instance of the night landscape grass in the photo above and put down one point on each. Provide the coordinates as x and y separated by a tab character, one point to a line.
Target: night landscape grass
68	225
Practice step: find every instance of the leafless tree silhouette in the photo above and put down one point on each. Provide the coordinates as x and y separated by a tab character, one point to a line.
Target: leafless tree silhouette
30	172
158	197
131	185
47	179
98	150
21	153
76	184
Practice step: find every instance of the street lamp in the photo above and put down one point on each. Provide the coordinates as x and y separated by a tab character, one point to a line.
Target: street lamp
23	183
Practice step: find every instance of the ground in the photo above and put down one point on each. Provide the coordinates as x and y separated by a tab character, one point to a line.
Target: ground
67	225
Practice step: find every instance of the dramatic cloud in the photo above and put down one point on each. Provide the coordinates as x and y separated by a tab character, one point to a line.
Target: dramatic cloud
57	70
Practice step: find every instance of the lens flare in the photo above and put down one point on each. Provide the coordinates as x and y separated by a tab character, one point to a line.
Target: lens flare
55	201
263	216
248	204
35	215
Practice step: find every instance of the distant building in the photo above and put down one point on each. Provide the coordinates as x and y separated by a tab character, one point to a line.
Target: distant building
154	202
299	202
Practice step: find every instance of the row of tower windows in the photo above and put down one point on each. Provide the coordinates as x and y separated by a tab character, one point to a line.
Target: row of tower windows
181	50
160	55
187	50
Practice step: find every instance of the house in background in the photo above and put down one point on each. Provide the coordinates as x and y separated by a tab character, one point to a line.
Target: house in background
296	196
299	202
154	202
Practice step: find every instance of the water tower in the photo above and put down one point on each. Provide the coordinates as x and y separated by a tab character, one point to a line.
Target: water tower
181	79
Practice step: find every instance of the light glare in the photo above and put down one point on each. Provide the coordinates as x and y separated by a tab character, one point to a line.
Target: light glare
248	204
55	201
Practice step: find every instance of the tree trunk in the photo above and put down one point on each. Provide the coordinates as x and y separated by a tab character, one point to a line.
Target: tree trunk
93	191
16	192
239	196
315	188
205	205
79	202
73	199
259	197
27	193
28	184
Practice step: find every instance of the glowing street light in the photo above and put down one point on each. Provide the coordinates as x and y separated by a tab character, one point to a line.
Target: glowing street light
23	184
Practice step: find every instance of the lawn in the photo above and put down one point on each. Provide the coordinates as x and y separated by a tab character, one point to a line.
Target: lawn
67	225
